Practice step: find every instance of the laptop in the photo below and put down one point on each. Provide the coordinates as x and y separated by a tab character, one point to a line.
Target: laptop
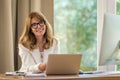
63	64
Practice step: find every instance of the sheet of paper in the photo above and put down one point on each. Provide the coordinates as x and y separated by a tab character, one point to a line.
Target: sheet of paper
30	74
113	72
15	73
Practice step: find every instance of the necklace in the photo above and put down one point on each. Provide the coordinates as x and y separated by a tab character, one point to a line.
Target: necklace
42	56
41	50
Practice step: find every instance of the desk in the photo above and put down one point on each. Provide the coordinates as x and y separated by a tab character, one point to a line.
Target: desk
100	76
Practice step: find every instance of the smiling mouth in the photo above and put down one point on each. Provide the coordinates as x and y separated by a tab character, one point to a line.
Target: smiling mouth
41	30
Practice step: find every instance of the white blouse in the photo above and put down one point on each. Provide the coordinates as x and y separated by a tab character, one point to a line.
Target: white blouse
32	59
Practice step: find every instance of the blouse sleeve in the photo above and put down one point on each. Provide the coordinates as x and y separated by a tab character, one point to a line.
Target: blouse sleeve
56	46
28	63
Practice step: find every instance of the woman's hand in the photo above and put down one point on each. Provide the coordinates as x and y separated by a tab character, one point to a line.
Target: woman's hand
42	67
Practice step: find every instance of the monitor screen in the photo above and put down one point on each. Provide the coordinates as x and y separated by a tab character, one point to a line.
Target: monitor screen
110	39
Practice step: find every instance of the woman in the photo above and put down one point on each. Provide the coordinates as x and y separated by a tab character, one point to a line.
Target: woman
36	43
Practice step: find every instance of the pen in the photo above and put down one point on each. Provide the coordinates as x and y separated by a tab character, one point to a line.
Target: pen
20	73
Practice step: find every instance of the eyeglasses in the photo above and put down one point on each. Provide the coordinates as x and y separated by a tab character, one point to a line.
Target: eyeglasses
35	25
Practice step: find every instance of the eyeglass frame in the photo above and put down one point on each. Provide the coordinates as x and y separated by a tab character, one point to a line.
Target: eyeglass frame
35	25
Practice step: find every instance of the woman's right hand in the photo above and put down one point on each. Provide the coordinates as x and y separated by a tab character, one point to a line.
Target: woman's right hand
42	67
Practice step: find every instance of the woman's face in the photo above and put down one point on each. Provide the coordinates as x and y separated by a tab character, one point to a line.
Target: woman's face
38	27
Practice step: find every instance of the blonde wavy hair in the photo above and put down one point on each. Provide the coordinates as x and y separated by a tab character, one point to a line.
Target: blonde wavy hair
29	40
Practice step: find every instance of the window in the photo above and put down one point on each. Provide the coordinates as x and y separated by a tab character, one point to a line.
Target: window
75	25
118	12
118	7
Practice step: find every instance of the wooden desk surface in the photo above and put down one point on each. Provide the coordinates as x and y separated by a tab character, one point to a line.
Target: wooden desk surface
3	76
100	76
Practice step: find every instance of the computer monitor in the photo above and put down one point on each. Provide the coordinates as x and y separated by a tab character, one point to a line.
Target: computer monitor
110	39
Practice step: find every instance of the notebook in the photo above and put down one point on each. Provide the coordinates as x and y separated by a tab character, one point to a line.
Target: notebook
63	64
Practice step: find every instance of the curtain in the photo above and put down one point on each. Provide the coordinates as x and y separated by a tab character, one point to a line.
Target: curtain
12	19
6	34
